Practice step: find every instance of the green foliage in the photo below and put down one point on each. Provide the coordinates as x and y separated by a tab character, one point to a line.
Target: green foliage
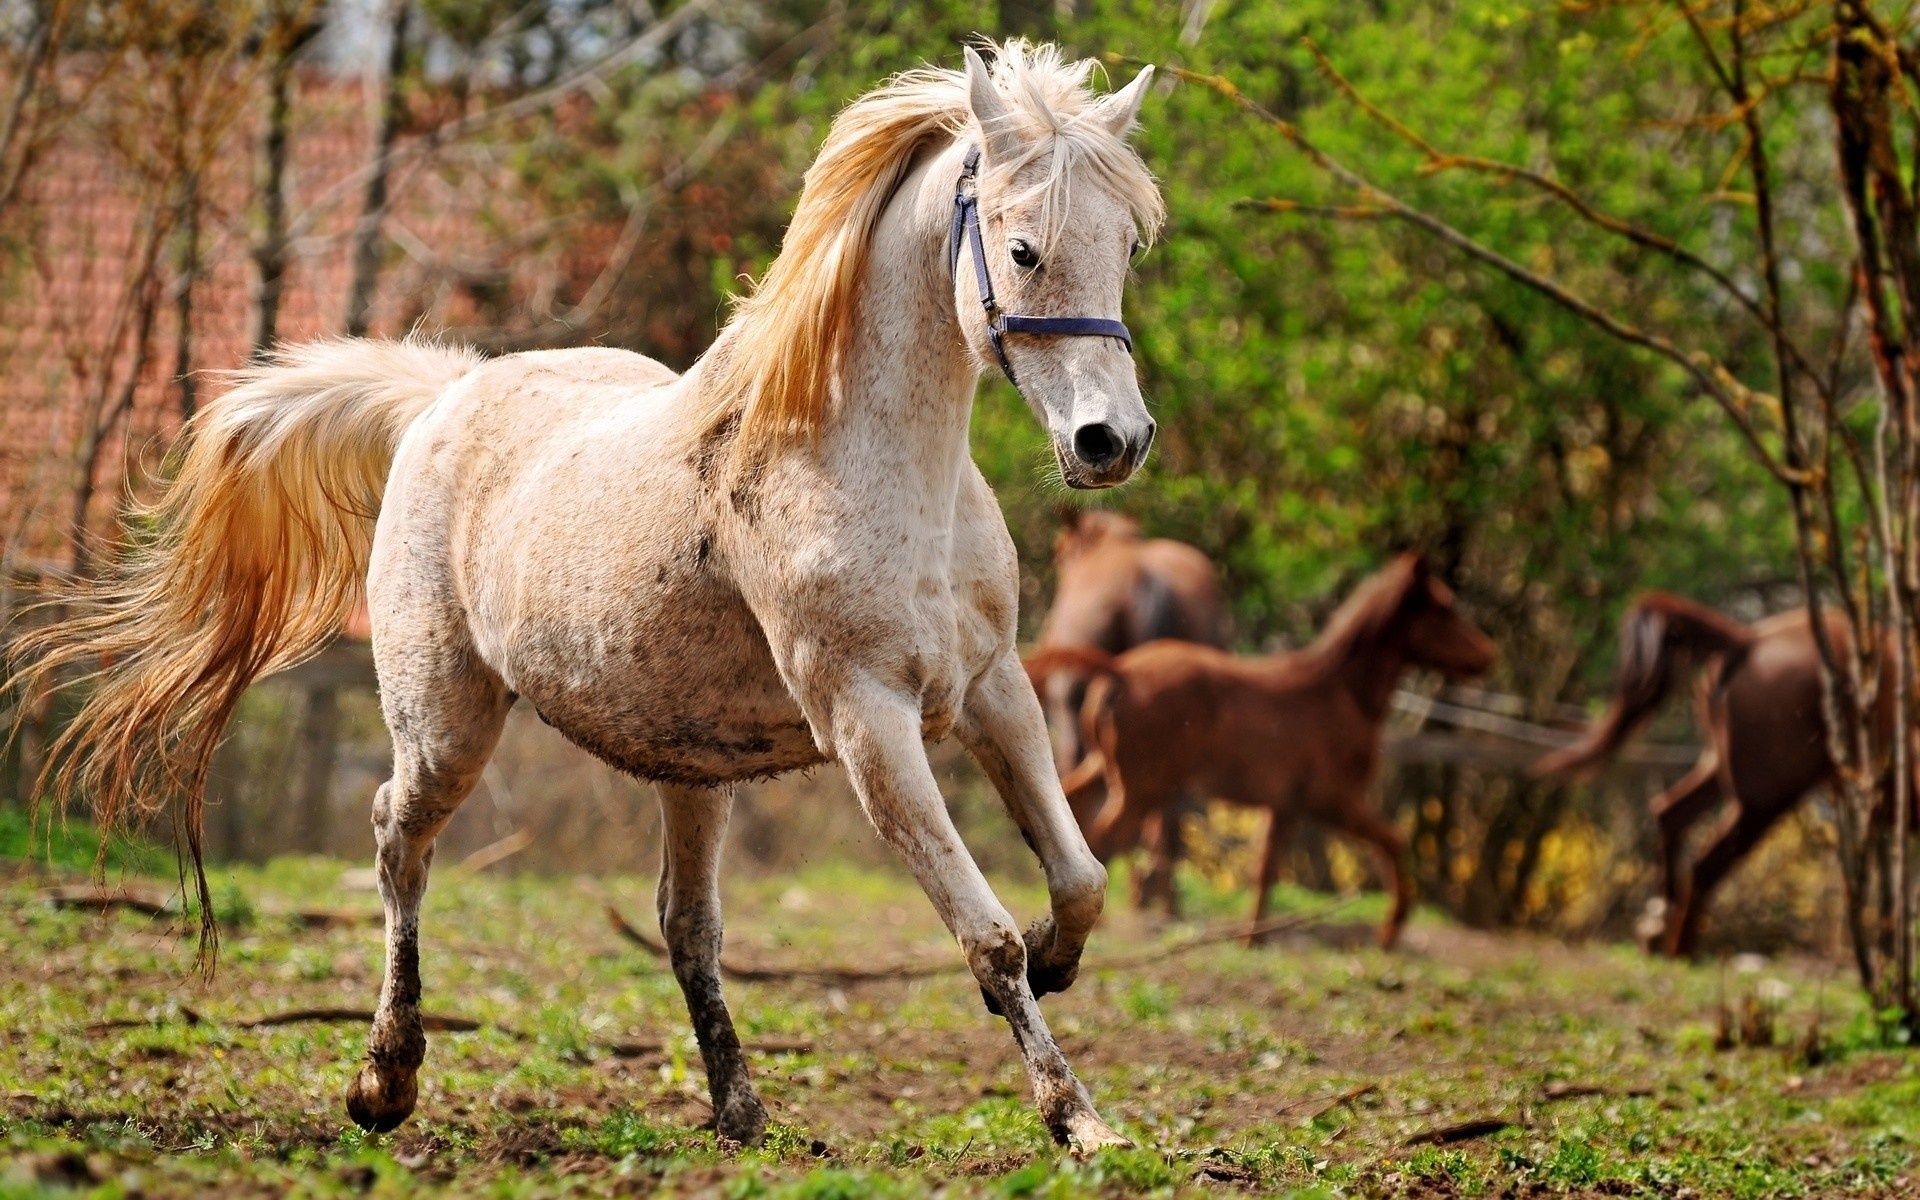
626	1132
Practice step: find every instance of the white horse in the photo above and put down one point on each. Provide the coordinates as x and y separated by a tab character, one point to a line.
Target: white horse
784	556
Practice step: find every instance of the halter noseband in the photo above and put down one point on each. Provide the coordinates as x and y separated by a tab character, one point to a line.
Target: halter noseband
966	227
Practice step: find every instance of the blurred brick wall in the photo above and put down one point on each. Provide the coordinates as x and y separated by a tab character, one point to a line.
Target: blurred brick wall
62	298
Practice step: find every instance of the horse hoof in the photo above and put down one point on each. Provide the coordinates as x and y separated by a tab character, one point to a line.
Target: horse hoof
1085	1134
1045	975
377	1104
1048	978
742	1120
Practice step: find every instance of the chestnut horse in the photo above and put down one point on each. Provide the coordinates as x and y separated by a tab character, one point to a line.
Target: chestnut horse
1296	733
1759	705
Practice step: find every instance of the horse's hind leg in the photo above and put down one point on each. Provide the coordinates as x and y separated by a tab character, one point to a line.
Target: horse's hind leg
1675	811
695	825
445	711
1749	823
1150	876
1391	849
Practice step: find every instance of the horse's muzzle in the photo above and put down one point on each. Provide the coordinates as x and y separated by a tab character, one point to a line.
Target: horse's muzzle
1102	455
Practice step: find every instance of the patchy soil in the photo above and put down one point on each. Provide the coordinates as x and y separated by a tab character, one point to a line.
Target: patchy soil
1463	1065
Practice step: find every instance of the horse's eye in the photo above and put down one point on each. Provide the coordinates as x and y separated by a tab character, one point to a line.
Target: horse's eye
1133	251
1024	255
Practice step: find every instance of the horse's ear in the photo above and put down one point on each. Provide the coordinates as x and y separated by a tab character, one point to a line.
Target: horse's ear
1419	573
1119	111
990	111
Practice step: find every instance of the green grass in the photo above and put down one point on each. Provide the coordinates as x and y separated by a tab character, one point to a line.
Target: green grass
1226	1065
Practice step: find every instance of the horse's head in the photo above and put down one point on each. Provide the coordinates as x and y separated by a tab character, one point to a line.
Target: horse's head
1435	634
1082	529
1063	204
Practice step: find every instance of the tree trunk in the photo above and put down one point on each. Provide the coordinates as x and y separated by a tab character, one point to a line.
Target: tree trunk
319	742
270	258
373	210
188	267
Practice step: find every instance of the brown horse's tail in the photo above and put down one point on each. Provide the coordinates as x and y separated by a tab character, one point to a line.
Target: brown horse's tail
249	561
1048	661
1082	662
1661	636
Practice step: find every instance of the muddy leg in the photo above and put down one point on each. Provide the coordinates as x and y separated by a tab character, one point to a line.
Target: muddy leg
408	814
1002	728
446	712
876	734
694	824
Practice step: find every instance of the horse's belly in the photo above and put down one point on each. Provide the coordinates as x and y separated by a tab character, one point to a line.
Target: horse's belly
679	688
706	722
687	743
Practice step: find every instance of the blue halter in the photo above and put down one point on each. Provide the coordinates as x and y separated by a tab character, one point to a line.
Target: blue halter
966	227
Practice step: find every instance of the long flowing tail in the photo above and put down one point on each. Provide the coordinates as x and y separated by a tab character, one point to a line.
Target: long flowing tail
251	558
1661	636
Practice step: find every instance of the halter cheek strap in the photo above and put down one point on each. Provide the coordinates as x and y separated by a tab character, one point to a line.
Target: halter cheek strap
966	235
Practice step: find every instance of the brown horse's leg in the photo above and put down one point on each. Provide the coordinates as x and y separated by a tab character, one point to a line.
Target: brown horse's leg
1145	875
694	824
1165	842
1391	849
1737	838
438	756
1675	811
1279	832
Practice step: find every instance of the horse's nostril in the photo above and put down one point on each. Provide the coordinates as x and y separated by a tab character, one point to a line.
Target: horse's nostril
1097	444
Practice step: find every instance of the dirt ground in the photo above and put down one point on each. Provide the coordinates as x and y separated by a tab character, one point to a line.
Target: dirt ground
1464	1064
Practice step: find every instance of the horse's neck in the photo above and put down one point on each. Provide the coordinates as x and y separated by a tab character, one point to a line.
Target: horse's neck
908	381
1365	662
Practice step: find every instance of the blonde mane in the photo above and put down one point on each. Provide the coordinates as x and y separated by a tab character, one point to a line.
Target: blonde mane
774	366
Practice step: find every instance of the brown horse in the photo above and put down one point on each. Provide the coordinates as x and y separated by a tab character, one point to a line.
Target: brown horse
1759	705
1118	590
1296	733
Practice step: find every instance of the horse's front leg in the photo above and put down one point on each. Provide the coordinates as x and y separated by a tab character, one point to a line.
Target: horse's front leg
1002	726
875	731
